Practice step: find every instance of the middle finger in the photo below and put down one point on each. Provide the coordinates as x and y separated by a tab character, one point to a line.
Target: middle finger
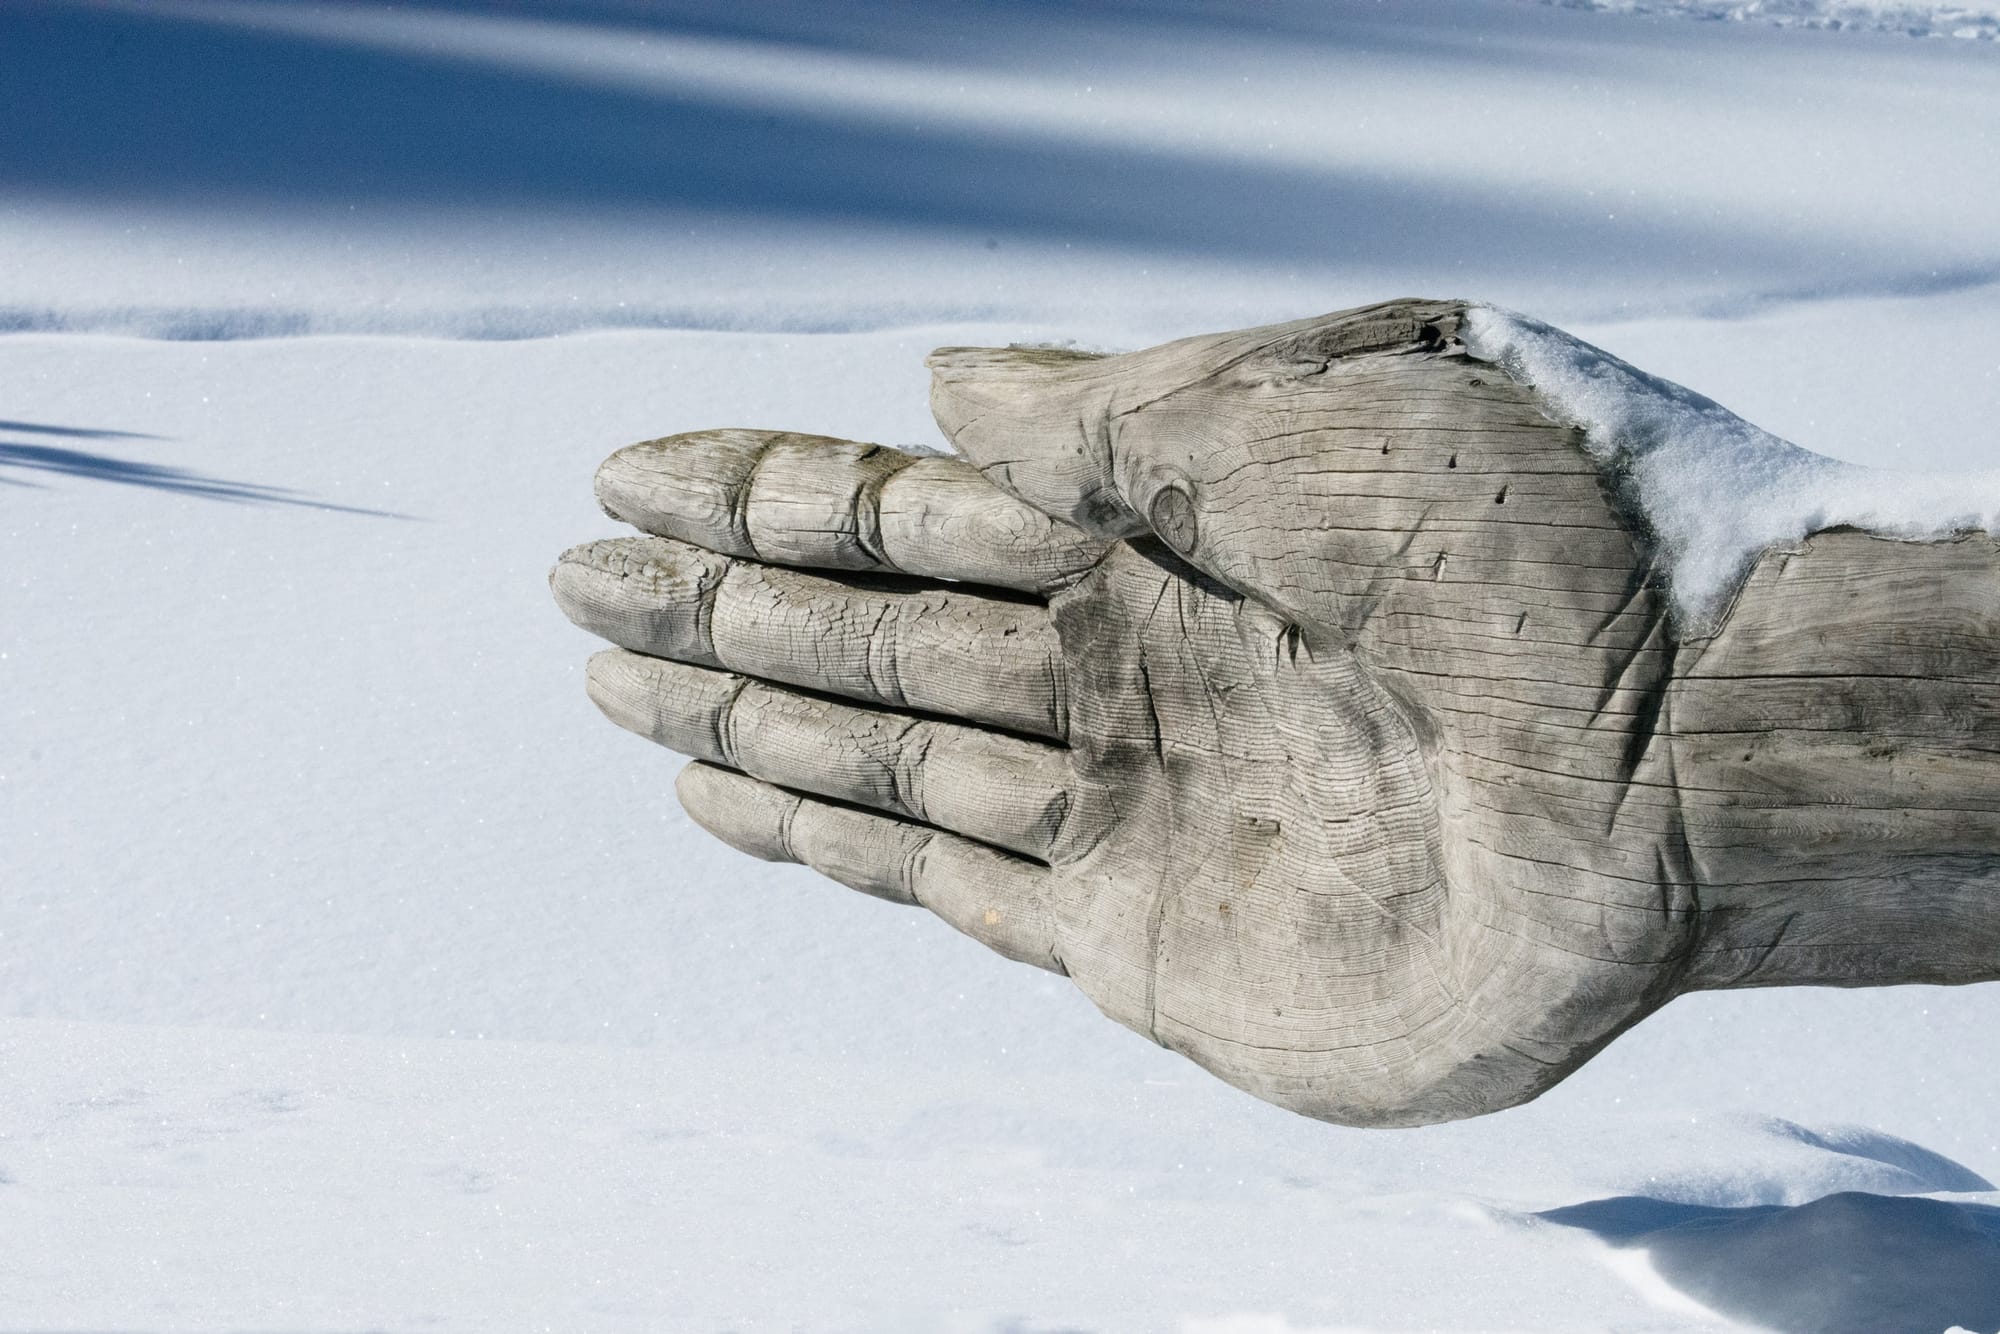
958	654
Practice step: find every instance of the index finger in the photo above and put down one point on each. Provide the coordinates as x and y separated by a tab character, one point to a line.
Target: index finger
820	503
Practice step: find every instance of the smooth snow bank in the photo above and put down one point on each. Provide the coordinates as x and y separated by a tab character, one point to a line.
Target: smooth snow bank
1714	489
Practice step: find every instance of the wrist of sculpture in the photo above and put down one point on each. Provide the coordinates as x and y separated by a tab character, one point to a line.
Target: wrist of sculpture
1831	743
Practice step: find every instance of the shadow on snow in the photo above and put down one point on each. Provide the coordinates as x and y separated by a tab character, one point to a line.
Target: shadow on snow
154	476
118	104
1849	1263
72	432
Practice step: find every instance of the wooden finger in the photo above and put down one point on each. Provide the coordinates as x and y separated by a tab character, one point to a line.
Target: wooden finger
991	660
988	786
998	900
819	503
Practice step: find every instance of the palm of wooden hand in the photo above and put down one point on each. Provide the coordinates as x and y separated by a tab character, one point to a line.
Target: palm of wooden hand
1261	889
1215	676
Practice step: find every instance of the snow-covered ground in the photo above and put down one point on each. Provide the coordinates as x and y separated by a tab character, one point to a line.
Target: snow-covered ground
355	974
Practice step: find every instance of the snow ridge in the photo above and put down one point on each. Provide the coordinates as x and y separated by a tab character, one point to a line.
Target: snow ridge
1979	21
1714	489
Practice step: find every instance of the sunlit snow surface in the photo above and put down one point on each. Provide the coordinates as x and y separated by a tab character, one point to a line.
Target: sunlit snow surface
357	975
1714	489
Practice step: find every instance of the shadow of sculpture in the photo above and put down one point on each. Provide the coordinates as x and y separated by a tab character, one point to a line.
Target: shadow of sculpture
72	432
1848	1263
155	476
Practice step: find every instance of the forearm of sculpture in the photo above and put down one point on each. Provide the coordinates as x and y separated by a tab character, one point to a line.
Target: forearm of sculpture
1835	750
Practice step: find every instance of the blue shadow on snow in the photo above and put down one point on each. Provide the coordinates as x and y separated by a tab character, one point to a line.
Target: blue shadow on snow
1849	1263
111	104
158	477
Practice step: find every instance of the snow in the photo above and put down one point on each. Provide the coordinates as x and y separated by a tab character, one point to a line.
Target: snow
172	1178
1979	21
355	974
515	171
1713	489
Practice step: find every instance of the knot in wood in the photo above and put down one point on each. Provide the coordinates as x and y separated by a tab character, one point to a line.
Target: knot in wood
1172	517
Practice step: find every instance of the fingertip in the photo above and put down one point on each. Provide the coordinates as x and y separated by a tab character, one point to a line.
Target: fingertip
650	594
750	816
686	486
612	684
567	579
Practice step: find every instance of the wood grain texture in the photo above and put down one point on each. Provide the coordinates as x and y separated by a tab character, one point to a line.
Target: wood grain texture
1359	756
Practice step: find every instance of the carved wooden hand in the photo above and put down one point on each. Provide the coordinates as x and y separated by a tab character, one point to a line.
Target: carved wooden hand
1307	695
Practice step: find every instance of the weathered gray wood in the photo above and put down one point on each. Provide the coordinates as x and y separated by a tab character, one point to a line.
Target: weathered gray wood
1003	790
1386	787
924	648
998	900
832	504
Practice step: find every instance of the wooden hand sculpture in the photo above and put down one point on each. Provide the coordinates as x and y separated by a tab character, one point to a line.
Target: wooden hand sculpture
1311	698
